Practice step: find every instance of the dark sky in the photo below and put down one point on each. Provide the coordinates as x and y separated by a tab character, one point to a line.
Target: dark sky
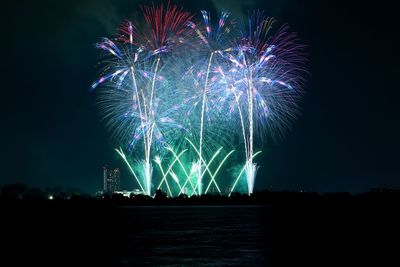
347	138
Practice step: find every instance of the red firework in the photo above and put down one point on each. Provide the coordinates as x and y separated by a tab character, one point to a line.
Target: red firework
164	27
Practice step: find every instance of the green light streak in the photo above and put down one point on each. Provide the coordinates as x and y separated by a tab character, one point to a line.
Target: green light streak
240	174
169	168
183	168
207	166
209	163
203	105
175	177
121	153
187	180
215	174
197	151
166	181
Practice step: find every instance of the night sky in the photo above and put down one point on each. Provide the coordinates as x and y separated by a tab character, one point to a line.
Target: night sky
347	138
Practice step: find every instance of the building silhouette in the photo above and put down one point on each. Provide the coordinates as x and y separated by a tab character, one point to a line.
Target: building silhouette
111	180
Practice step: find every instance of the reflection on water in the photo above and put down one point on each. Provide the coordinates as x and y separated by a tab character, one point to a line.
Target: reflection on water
93	234
196	236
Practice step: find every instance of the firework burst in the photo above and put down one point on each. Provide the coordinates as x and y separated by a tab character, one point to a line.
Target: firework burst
174	81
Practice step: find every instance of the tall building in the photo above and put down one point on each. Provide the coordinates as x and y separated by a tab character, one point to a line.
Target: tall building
111	179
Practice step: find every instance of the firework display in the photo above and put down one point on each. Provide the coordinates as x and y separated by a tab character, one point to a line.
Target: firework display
181	95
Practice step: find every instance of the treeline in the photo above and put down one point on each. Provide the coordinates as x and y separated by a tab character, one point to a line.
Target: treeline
23	193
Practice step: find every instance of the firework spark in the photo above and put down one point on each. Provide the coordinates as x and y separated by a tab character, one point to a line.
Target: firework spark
175	81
